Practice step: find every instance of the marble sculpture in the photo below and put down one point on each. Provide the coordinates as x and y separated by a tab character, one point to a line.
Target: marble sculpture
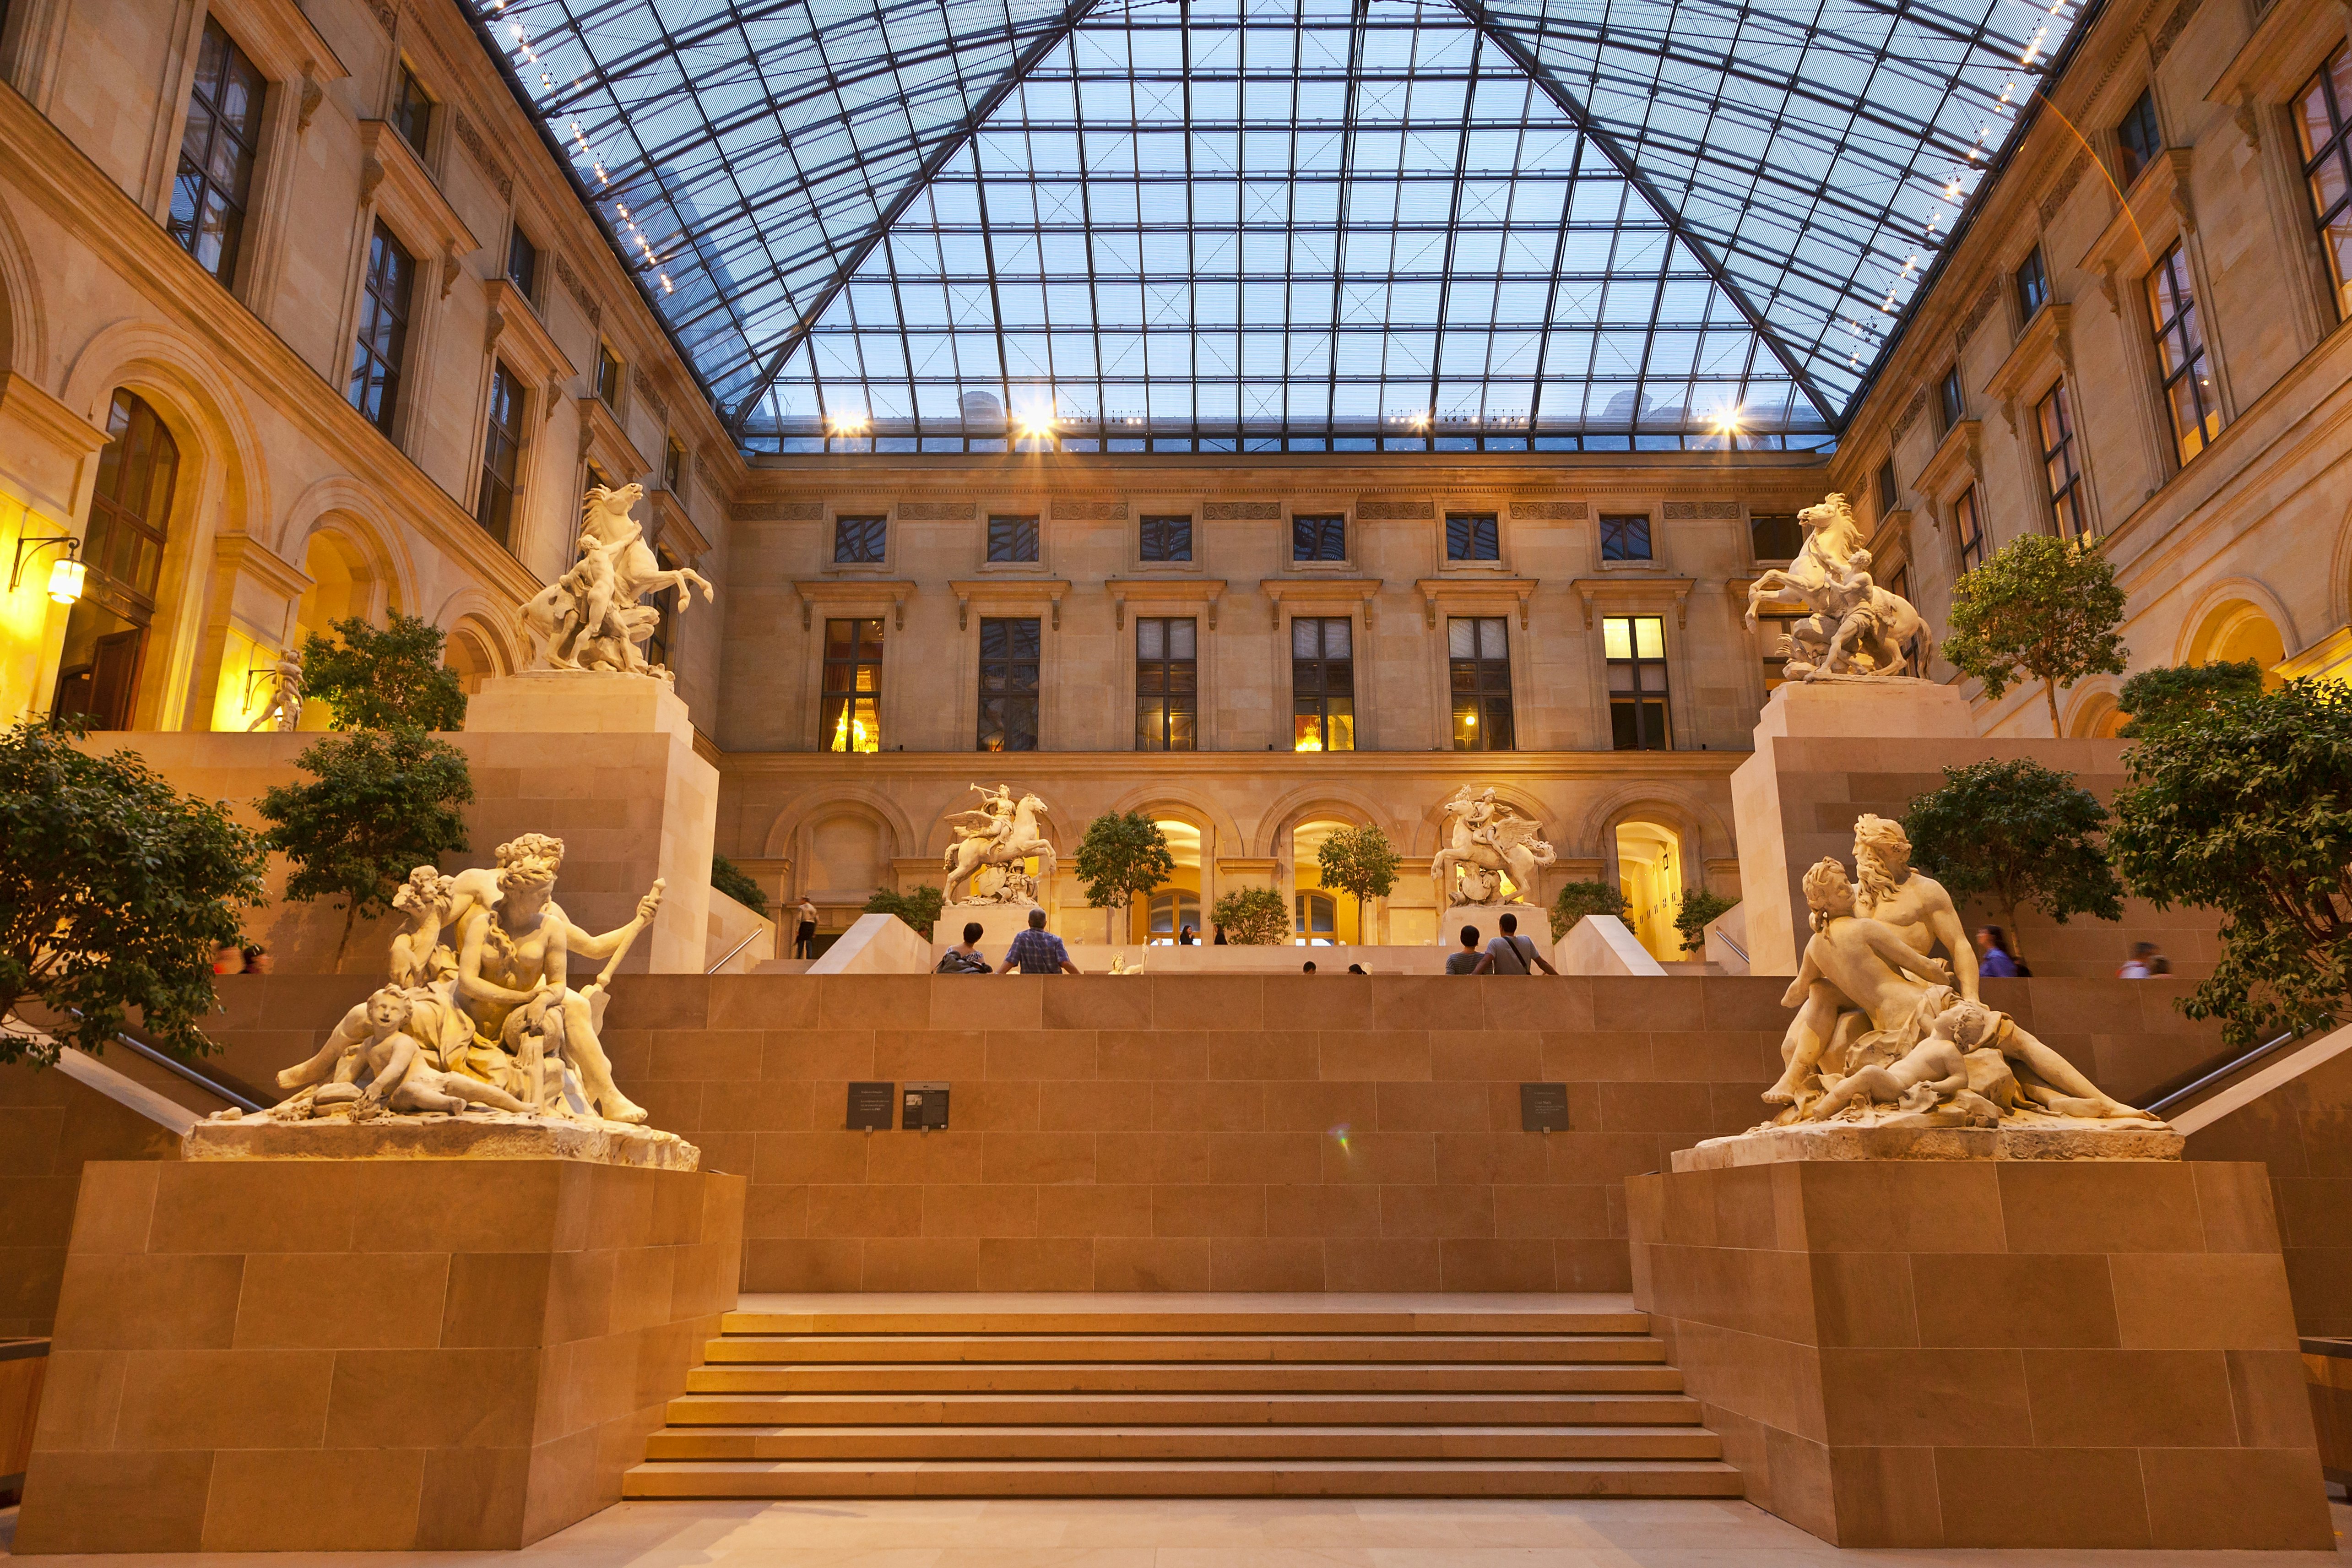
1489	845
1855	627
283	711
594	618
994	842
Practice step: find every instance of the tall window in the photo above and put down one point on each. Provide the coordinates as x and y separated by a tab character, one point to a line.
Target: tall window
608	378
1322	684
1890	494
501	451
1318	539
1472	536
216	154
1967	529
1168	913
858	541
662	646
1626	536
1636	650
1164	538
2181	347
1772	635
2137	139
1774	535
522	264
2059	467
1478	658
674	465
1012	539
129	510
1167	684
2323	119
1315	919
1009	650
382	345
851	717
412	109
1951	398
2033	283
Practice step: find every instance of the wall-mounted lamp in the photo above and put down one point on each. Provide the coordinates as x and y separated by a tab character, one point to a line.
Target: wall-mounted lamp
66	572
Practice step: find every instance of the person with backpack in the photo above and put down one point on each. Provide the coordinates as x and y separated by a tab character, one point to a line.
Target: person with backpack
964	957
1511	954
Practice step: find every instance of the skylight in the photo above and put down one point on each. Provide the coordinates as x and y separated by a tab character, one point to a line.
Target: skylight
1260	224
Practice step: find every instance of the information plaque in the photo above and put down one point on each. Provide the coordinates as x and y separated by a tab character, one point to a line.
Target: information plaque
869	1106
925	1107
1543	1108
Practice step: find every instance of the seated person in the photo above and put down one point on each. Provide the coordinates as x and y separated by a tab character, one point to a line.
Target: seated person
964	957
1511	954
1037	951
1466	961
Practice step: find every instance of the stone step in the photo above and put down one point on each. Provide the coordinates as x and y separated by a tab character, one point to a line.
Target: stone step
1083	1319
1137	1409
810	1349
1160	1478
1125	1377
739	1443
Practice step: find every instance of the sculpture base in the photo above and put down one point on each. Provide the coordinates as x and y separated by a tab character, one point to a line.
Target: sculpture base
1986	1353
434	1137
1833	1141
354	1355
999	923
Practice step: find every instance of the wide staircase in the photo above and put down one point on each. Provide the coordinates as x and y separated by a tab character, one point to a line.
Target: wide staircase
1207	1396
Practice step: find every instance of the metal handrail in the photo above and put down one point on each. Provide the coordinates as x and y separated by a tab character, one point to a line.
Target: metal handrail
2227	1069
1725	939
732	952
236	1093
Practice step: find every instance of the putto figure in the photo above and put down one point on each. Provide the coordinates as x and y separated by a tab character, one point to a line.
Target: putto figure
283	711
592	617
994	842
1487	844
1855	626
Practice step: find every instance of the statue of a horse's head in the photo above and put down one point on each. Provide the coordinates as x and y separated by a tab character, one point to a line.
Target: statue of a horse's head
601	507
1832	523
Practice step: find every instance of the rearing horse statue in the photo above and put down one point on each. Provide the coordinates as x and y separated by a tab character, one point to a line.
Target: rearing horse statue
1005	835
1856	628
592	618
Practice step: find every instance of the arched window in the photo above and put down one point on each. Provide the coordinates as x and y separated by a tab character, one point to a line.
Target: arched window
130	511
1170	913
1315	919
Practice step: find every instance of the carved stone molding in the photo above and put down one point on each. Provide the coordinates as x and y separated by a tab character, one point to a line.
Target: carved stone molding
1693	510
653	399
1154	593
1549	511
471	138
1241	512
1981	307
579	291
2063	186
1008	593
1394	509
2170	34
781	511
1910	415
1090	510
1635	593
937	510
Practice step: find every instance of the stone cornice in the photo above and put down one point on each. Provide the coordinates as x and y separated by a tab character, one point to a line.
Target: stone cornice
2155	210
515	331
24	400
1184	593
1008	593
407	196
854	593
1324	591
1474	593
278	37
674	527
1529	766
2278	56
248	557
1960	453
2044	351
603	441
1628	591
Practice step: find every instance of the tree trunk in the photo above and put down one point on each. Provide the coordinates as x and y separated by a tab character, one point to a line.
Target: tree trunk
2016	947
350	913
2050	690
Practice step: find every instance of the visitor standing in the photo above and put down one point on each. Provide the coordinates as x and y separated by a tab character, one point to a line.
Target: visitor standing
804	933
1186	939
257	958
2145	962
1994	961
1037	951
1466	961
1511	954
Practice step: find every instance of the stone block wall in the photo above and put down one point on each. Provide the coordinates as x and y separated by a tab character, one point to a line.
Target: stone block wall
2299	1131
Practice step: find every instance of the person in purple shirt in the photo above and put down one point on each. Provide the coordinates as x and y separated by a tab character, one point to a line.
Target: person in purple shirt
1037	951
1993	957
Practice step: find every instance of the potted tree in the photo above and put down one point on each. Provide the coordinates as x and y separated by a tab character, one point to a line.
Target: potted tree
1361	863
2040	609
1123	856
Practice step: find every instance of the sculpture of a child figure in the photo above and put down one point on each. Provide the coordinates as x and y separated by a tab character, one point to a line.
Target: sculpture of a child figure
399	1074
1935	1072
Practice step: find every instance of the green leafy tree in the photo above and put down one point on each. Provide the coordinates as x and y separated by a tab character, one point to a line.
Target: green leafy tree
1578	899
1361	863
1699	907
2245	805
2171	692
731	879
2016	833
1251	916
919	908
2040	609
115	891
385	802
1123	854
383	680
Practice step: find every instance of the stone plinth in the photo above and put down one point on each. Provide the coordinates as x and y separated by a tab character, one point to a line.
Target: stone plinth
1843	1141
1991	1354
435	1137
1001	923
356	1355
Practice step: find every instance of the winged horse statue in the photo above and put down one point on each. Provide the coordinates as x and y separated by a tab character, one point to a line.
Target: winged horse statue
1001	832
592	617
1487	843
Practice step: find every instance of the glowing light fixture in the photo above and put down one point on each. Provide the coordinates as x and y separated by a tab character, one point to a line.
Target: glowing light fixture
65	580
66	572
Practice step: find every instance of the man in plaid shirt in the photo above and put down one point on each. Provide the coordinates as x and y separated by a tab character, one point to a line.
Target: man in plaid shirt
1037	951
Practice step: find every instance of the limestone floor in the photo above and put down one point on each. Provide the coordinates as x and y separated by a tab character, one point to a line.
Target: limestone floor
1189	1534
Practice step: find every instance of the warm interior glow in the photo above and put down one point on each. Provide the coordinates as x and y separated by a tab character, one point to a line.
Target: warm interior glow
65	580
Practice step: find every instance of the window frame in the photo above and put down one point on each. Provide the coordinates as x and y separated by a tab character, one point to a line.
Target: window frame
2031	281
2132	159
1638	696
2069	513
526	286
511	435
857	526
673	465
2337	149
227	266
1890	489
1649	538
1014	532
610	377
1951	397
1471	530
1323	695
373	299
830	692
1143	538
2196	350
1007	669
1968	527
410	98
1328	527
1796	536
1167	698
1480	682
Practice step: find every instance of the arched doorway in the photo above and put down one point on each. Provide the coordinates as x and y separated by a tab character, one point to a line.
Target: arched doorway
1650	875
1175	903
1318	918
469	657
345	584
2237	631
130	520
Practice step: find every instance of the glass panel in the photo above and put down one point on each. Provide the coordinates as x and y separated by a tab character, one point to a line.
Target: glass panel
858	541
1471	536
1625	537
1012	539
1616	638
1462	637
1649	637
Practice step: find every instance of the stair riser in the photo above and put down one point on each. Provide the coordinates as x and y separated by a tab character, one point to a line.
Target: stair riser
1266	1482
920	1349
1277	1323
1109	1410
1179	1444
1131	1379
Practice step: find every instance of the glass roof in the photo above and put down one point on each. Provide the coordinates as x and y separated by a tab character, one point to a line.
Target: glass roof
1252	224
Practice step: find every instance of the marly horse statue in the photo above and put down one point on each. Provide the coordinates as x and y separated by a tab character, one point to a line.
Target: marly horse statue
1484	833
1004	834
591	617
1856	628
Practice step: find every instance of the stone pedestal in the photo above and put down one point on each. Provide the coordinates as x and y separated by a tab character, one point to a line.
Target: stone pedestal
607	763
999	923
1991	1353
359	1355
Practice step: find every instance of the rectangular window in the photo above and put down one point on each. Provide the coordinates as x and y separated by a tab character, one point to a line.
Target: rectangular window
1890	494
1772	628
1967	529
674	465
522	264
2321	119
216	154
1165	537
1012	539
2137	139
1479	659
1636	650
2180	348
858	541
661	645
1626	536
608	378
2058	463
2033	284
1951	399
382	345
851	718
1318	539
1009	652
1900	585
1322	684
1472	536
501	451
411	109
1774	535
1167	684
